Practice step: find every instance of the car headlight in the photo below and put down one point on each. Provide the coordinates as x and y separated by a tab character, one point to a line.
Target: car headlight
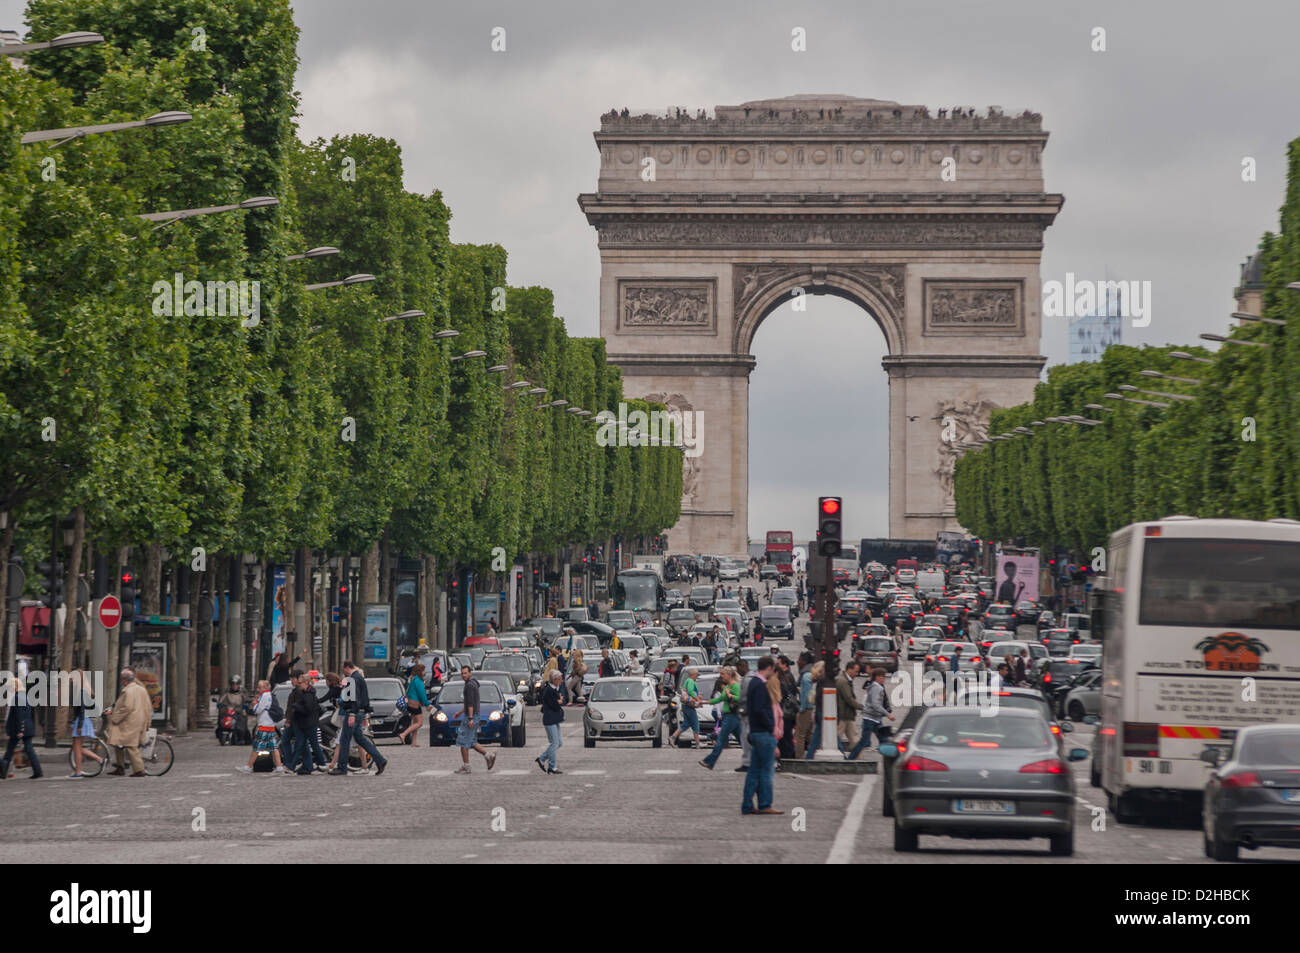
595	715
648	714
495	716
441	716
523	686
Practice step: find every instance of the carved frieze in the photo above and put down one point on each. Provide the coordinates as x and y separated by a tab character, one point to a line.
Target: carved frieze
854	232
690	464
973	306
667	306
749	281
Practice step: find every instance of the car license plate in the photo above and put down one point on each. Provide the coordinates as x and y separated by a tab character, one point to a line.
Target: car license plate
1291	794
623	727
984	807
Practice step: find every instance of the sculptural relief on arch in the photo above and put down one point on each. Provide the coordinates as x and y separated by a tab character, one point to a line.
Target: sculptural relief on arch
831	195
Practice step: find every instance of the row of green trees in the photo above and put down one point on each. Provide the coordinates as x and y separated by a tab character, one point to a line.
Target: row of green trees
314	424
1234	451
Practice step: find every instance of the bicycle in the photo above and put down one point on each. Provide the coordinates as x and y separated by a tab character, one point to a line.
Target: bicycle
91	748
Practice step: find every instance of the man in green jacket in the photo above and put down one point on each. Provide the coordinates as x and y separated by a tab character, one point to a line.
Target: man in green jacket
690	695
847	707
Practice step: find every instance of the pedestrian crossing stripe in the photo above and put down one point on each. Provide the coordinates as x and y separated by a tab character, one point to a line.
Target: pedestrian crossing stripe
1189	731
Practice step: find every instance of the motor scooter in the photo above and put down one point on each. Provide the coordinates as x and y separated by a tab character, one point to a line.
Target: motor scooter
232	726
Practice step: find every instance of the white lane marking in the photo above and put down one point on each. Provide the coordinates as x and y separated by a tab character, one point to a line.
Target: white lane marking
71	825
585	773
326	814
226	775
107	816
268	833
664	771
512	771
842	848
468	856
433	774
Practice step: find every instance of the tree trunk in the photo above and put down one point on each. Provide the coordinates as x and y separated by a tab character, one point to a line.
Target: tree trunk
202	647
369	593
151	581
6	547
72	600
429	602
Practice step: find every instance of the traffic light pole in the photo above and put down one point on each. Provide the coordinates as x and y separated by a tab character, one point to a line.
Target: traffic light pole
828	750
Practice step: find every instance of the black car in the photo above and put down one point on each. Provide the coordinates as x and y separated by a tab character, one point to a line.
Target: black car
1027	613
599	629
1058	641
852	610
1253	796
1053	676
700	599
774	622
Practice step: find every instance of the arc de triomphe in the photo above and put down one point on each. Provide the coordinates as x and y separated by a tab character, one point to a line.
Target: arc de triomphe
932	223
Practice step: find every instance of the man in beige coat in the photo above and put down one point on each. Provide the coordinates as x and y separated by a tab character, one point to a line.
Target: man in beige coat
128	723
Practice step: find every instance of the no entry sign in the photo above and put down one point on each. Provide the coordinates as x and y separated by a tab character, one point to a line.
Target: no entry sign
110	612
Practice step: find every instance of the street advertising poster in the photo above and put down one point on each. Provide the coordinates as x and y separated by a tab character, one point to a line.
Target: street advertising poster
279	615
149	661
378	623
486	607
1016	579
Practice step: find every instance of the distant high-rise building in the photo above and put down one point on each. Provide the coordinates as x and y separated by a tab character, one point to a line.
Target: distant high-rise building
11	38
1250	293
1091	334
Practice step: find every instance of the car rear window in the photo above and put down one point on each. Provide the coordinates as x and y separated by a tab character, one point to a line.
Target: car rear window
963	730
877	645
1271	748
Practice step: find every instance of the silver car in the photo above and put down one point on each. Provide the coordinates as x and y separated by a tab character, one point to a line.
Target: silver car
919	642
1084	697
622	709
969	775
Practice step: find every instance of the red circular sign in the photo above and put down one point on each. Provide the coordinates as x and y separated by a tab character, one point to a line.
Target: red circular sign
110	612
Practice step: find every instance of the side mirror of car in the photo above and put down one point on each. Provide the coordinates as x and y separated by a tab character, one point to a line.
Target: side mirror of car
1078	754
888	750
1210	756
1066	727
512	702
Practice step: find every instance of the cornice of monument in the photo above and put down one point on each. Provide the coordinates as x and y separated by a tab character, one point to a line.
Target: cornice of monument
814	116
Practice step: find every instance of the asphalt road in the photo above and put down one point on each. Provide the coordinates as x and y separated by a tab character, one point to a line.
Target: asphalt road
615	803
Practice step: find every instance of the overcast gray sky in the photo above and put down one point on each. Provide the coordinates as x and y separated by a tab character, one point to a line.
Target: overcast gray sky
1146	144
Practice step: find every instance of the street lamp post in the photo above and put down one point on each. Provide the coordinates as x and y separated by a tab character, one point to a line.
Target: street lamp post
1184	356
63	41
167	218
1227	340
349	281
1169	377
168	118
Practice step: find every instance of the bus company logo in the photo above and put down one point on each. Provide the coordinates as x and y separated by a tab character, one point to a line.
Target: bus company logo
1231	652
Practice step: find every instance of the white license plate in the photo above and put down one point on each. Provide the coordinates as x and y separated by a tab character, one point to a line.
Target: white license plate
623	727
984	807
1291	794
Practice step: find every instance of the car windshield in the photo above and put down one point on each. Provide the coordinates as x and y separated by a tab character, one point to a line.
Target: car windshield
702	593
1085	650
507	663
727	604
1271	747
629	642
384	689
774	614
962	729
876	645
681	615
620	691
453	693
549	627
927	633
784	597
1025	702
503	680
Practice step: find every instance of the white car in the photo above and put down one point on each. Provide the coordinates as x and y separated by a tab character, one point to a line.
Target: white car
622	709
729	571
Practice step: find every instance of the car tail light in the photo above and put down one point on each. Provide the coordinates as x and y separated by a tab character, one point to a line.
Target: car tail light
1141	740
918	763
1047	676
1242	779
1056	729
1048	766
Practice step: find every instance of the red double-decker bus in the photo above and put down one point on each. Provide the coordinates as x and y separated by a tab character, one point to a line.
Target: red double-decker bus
780	550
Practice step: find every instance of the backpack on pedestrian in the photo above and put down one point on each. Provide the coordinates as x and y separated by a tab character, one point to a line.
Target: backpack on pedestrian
274	710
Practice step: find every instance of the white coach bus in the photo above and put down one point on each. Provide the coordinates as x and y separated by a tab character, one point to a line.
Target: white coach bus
1200	625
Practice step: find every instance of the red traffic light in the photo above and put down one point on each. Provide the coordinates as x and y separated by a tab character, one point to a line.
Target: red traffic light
343	590
127	578
830	506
